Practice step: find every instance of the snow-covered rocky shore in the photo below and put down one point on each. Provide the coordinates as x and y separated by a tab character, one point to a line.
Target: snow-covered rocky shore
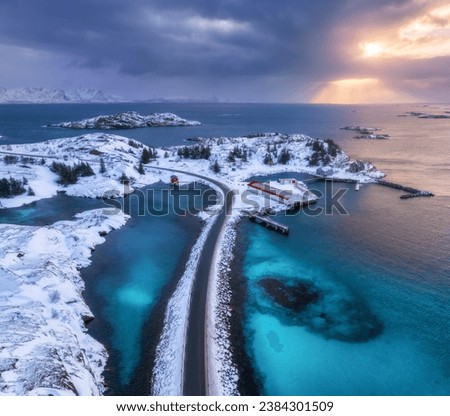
45	349
127	120
115	163
110	157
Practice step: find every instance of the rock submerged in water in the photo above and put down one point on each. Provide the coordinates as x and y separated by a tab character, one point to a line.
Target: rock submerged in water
295	298
333	314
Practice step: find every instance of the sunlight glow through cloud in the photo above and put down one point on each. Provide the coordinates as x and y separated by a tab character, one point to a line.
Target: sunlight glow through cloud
371	49
359	91
424	37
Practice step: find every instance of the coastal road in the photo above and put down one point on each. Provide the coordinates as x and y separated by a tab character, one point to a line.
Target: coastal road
195	368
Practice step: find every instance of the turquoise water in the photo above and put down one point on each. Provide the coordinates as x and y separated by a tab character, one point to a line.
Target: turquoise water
127	279
381	325
48	211
128	282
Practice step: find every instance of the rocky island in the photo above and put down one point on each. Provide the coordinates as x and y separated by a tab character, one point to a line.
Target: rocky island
426	115
127	120
366	132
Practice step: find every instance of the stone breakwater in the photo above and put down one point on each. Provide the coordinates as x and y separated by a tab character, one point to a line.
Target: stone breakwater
412	192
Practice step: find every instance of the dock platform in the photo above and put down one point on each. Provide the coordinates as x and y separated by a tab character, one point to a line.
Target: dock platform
270	223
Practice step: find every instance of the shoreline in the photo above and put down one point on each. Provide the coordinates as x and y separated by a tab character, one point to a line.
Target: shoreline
54	299
227	340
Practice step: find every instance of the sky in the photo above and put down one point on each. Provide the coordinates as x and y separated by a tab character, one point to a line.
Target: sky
319	51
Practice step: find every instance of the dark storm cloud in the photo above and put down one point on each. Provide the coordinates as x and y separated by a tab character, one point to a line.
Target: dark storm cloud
180	37
203	39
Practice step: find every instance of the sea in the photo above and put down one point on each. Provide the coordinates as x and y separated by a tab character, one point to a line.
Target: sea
355	301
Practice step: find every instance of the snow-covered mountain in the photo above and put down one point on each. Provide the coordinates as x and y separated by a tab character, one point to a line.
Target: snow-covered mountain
55	96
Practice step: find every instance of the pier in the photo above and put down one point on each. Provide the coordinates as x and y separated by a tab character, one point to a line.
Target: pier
270	223
412	192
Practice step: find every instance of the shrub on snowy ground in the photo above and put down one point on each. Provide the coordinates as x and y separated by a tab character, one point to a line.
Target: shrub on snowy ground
215	167
69	174
11	187
10	159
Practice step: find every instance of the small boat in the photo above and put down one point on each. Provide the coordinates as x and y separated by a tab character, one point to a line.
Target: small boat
174	180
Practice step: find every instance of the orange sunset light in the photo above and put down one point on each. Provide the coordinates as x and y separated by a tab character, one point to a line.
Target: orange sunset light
359	91
426	36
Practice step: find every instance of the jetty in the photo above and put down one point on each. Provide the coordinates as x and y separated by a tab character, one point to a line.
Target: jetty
270	223
412	192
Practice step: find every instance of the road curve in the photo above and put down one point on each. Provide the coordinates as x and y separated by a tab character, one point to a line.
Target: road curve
195	376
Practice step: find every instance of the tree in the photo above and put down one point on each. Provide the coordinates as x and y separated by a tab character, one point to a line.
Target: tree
314	159
134	144
124	179
11	187
84	169
231	158
102	166
284	156
10	159
69	174
4	188
268	159
206	154
141	169
216	167
146	156
333	148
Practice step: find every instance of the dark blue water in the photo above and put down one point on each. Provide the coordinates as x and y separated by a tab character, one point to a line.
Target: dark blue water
380	324
25	123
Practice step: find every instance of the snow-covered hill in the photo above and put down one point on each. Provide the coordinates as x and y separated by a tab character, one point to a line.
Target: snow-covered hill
54	96
127	120
237	158
45	349
33	162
